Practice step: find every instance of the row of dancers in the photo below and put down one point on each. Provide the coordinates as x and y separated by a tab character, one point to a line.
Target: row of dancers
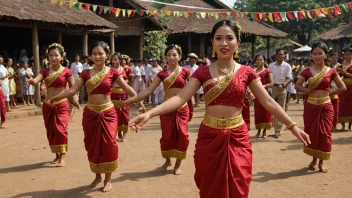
223	154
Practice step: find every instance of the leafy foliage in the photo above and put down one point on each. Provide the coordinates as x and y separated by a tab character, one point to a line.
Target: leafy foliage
155	44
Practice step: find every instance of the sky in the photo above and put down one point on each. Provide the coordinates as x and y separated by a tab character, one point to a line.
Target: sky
228	2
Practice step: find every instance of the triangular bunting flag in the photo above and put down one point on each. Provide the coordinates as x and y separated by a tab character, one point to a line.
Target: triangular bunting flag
86	7
101	8
283	16
118	10
264	16
142	12
138	12
300	16
295	14
304	14
219	15
190	14
350	5
315	14
251	16
134	12
80	5
337	10
110	10
344	6
323	10
261	16
329	12
106	9
308	14
225	15
147	12
72	4
76	5
129	12
290	16
168	13
53	2
62	2
229	15
234	14
202	14
95	8
123	12
113	10
151	12
185	14
256	16
207	15
244	15
271	17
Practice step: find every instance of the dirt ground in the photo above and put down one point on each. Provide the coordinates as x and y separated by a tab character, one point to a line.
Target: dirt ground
279	166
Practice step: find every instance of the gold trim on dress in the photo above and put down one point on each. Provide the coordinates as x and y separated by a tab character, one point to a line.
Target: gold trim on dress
50	79
107	167
118	104
117	90
227	123
171	79
266	126
48	101
254	81
63	148
123	128
318	154
165	99
95	80
174	154
334	97
313	82
347	81
191	79
345	119
319	101
302	78
100	108
215	91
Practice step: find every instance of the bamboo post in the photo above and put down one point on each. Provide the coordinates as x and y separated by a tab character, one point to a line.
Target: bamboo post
141	44
253	46
35	46
112	42
59	38
85	43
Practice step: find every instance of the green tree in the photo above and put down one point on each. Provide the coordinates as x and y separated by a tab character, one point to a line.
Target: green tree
155	44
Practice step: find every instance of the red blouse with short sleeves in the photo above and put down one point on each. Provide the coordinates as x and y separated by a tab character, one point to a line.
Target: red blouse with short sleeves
234	93
325	83
57	82
264	76
180	80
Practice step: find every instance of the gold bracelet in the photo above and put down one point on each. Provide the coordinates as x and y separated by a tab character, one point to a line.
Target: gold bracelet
289	127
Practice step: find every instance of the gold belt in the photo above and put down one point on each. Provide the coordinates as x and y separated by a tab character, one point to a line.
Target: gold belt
47	101
117	103
347	81
100	108
334	97
218	123
319	101
165	99
117	90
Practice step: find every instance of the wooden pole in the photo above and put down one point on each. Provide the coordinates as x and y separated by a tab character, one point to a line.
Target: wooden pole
202	41
253	46
112	42
268	47
59	38
141	44
35	46
189	43
85	43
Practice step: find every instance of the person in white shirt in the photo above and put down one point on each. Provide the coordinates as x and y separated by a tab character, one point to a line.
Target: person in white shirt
192	67
4	74
282	75
139	80
158	95
85	64
25	73
147	70
77	68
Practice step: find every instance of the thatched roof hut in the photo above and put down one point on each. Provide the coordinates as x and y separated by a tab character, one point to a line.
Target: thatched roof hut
343	31
27	11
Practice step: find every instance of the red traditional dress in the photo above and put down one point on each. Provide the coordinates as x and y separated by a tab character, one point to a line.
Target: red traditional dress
246	111
129	74
174	125
345	106
223	155
123	112
100	122
318	114
2	107
57	114
262	118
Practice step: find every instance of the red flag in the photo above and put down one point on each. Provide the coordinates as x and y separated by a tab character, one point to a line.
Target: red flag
245	15
234	14
110	9
220	15
300	15
190	14
337	10
133	12
256	16
289	15
350	5
86	7
113	10
225	15
277	16
101	8
142	12
151	12
264	16
329	13
207	15
315	13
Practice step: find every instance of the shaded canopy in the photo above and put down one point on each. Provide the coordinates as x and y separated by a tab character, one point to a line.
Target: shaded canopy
33	10
203	26
343	31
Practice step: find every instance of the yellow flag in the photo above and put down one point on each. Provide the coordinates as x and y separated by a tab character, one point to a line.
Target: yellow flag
271	17
168	13
326	10
80	5
303	13
203	14
62	2
308	14
261	16
129	12
53	1
177	13
117	13
185	14
71	4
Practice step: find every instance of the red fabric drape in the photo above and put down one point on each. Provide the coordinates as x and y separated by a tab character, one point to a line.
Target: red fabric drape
262	118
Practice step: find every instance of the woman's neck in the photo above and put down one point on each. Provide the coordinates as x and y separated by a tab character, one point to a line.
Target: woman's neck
172	67
225	63
319	66
347	62
55	67
116	66
260	67
99	67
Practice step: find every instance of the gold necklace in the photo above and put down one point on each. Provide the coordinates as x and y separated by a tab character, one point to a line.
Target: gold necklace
222	71
99	71
176	68
53	71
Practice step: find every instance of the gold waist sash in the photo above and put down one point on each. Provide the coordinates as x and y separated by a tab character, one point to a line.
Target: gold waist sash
319	101
117	90
218	123
117	103
100	108
47	101
347	81
165	99
334	97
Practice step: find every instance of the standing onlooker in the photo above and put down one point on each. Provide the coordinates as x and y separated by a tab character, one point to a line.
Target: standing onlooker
282	74
77	68
158	95
2	99
23	56
139	81
4	74
192	67
85	63
25	73
12	84
148	72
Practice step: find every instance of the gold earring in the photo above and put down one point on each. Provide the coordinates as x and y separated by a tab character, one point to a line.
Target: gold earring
235	56
213	55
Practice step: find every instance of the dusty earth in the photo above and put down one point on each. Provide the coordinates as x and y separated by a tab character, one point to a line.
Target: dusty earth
279	167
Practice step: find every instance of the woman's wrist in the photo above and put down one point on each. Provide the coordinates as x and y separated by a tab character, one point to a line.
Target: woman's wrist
291	126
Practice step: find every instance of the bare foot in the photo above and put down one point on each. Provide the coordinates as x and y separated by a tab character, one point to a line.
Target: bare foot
177	171
96	181
56	160
264	135
323	170
257	135
107	186
61	163
166	164
312	165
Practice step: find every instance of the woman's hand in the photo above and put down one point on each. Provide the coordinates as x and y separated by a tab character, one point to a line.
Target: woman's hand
137	122
301	135
141	109
31	81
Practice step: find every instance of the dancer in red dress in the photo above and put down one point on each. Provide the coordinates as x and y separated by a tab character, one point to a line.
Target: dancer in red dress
174	125
334	98
56	115
318	112
99	116
223	155
262	118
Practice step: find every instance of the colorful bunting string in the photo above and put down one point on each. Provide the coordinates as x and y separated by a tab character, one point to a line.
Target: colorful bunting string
329	12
